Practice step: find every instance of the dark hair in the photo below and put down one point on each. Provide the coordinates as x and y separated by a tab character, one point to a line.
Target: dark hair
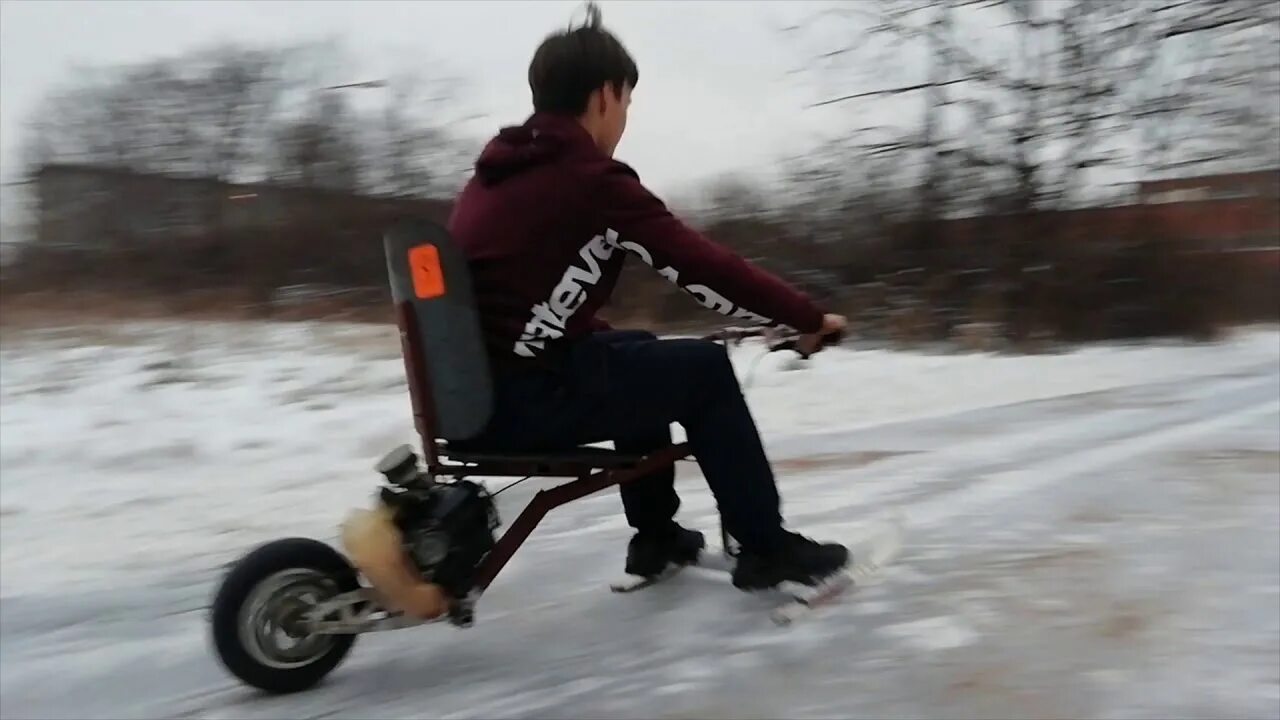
571	64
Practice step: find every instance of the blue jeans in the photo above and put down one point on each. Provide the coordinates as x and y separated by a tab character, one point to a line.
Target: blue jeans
628	387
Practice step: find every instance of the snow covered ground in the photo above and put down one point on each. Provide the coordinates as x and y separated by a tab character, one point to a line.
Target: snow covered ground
1092	534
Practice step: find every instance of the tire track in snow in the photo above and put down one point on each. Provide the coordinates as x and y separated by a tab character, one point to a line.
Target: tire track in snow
1003	485
1012	444
1005	464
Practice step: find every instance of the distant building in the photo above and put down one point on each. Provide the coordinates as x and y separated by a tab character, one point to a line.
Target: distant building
1228	186
1233	212
84	205
1238	213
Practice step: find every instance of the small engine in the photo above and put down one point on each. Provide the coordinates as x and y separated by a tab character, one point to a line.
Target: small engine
447	527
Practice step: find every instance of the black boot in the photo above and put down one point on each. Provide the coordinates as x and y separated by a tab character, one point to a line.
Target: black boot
795	559
650	551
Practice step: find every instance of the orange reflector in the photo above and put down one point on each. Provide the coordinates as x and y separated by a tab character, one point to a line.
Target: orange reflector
424	266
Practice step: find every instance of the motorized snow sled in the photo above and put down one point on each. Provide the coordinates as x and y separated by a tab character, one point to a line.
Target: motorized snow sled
288	612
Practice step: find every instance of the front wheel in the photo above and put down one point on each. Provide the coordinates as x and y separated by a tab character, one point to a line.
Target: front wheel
258	610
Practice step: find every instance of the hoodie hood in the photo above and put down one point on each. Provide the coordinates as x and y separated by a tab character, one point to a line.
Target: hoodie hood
542	139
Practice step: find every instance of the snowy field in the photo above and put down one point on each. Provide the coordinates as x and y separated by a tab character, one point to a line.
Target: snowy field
1092	534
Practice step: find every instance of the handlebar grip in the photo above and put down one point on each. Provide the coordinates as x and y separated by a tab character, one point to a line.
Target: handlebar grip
737	335
824	342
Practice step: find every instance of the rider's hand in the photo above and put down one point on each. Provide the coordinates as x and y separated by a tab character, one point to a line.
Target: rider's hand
831	325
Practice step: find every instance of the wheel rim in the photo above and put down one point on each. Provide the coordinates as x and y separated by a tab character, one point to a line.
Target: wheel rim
271	618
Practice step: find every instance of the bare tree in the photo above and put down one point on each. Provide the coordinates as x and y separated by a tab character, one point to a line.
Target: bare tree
236	113
416	156
206	114
1214	101
1003	109
232	114
1047	102
320	150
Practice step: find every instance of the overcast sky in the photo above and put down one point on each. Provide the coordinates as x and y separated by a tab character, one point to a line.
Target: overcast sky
715	94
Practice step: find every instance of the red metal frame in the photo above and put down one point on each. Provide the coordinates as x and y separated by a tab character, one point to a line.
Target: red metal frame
547	500
587	482
415	369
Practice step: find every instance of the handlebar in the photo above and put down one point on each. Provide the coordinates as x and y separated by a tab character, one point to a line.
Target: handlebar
737	335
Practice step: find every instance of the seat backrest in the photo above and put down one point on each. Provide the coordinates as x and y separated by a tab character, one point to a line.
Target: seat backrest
449	377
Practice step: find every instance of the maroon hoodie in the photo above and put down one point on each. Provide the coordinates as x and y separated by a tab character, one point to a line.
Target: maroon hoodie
546	223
